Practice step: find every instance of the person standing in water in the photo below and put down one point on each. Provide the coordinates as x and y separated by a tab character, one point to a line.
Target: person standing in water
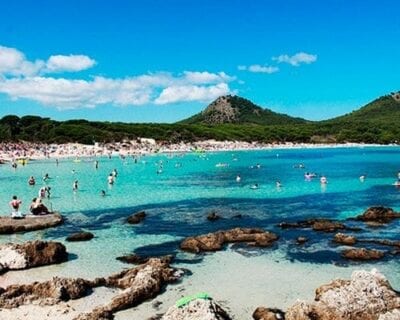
14	204
75	185
96	164
31	181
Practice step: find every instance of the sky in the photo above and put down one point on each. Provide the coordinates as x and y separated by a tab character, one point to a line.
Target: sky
165	60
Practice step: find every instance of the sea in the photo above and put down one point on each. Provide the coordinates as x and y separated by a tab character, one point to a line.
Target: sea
178	190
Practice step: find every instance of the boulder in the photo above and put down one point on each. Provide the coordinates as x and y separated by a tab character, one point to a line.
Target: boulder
215	241
345	239
31	254
262	313
198	309
80	236
367	296
136	217
301	240
362	254
29	223
378	215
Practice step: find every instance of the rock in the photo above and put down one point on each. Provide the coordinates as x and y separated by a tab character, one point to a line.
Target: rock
362	254
391	315
345	239
262	313
301	240
199	309
378	215
136	259
367	296
80	236
29	223
136	217
31	254
323	225
215	241
213	216
49	292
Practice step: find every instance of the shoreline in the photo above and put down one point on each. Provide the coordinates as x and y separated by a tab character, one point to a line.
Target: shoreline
14	152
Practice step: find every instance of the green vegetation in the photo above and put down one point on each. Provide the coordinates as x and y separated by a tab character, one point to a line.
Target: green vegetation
377	122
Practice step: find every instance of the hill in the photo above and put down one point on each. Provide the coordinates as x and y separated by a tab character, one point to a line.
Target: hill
237	110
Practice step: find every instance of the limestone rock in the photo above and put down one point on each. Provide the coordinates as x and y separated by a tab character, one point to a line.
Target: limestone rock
136	217
199	309
345	239
80	236
378	215
29	223
363	254
31	254
262	313
215	241
367	296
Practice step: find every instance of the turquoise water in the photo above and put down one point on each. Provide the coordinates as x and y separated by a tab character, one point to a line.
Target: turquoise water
178	200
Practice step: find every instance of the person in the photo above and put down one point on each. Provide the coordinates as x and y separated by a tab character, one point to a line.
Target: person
46	177
37	207
96	164
31	181
254	186
42	192
102	193
57	162
238	178
323	180
48	191
110	179
362	178
114	173
75	185
278	184
15	203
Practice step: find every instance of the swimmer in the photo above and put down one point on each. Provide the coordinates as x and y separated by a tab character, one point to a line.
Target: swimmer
362	178
254	186
238	178
110	179
42	192
46	177
114	173
102	193
31	181
278	184
323	180
307	176
96	164
75	185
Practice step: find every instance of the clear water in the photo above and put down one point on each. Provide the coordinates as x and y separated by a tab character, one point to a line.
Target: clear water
178	200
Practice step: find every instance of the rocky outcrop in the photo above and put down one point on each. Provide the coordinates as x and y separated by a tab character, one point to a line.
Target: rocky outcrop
262	313
362	254
215	241
138	284
195	310
323	225
49	292
367	296
80	236
378	215
31	254
345	239
29	223
136	218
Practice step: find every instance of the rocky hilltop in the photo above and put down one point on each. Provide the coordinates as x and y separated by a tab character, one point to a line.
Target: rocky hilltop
235	109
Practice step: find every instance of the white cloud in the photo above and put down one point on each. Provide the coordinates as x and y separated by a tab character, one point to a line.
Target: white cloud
14	63
257	68
296	59
71	63
22	79
183	93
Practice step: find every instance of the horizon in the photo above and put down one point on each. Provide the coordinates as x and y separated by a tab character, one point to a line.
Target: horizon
162	62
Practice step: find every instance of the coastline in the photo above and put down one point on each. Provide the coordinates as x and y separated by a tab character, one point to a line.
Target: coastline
10	152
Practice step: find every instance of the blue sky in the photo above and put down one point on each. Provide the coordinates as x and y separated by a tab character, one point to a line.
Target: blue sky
164	60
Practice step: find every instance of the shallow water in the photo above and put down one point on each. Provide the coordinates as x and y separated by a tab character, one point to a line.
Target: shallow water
178	200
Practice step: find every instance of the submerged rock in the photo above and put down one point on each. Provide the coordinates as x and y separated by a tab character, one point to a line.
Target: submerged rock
262	313
301	240
323	225
80	236
136	217
345	239
363	254
198	309
136	259
215	241
378	215
29	223
31	254
367	296
213	216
